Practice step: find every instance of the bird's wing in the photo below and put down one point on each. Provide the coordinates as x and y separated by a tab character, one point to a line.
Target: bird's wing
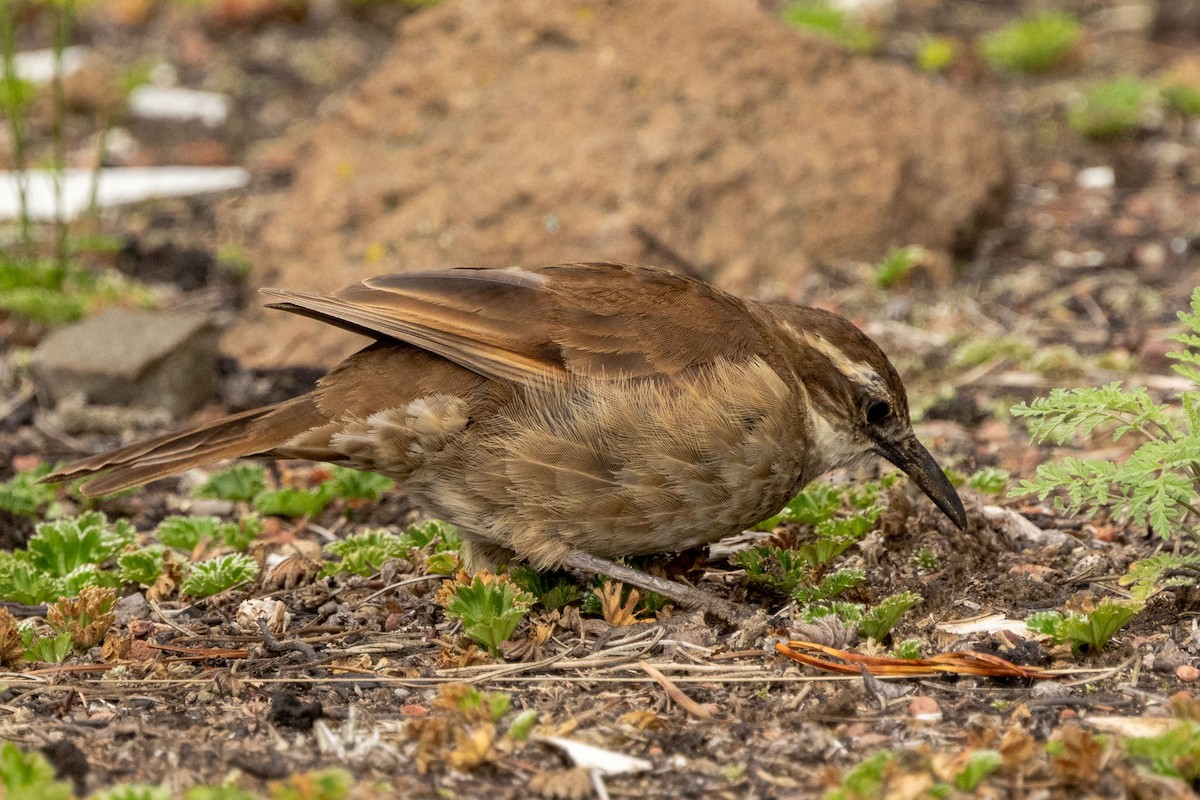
527	326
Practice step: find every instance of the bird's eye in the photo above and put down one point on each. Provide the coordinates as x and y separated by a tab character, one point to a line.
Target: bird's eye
877	412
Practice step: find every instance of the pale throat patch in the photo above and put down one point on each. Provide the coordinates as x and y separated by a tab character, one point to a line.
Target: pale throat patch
836	448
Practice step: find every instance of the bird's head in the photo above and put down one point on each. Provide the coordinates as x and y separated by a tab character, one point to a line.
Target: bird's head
857	403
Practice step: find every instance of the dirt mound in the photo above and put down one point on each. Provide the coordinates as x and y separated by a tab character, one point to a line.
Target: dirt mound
535	131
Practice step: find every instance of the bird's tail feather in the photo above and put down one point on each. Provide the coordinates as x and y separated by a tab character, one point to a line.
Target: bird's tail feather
254	432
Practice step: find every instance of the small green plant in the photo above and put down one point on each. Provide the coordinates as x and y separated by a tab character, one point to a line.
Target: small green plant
23	496
142	567
1032	45
186	533
1111	109
825	20
980	764
867	779
1175	753
877	621
1181	98
65	545
365	553
908	649
239	483
29	776
926	560
327	784
1090	631
48	649
989	480
216	575
553	590
974	352
63	557
489	606
353	484
1159	484
937	53
897	265
295	503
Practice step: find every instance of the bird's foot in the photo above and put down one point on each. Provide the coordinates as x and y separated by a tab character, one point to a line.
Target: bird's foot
732	614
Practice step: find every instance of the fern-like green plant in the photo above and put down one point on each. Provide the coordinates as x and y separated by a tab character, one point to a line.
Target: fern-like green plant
1159	484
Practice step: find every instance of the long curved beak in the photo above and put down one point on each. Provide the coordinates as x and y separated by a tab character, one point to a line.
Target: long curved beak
912	457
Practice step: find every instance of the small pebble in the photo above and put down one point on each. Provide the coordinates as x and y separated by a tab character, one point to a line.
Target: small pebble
1187	673
924	708
1096	178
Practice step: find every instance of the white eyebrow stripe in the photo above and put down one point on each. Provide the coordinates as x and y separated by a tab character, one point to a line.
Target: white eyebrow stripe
858	371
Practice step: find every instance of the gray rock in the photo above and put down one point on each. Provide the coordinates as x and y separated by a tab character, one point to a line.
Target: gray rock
148	359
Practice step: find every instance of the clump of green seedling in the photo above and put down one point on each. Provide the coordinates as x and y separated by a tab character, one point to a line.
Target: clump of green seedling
23	496
1159	484
490	607
1111	109
1174	753
366	552
29	776
837	519
897	265
1089	631
187	533
553	590
239	483
1032	45
216	575
247	483
62	558
830	22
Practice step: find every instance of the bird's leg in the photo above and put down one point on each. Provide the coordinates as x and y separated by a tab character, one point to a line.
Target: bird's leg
683	594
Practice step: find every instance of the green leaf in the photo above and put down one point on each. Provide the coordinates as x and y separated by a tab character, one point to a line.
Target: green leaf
1033	45
1175	753
239	483
143	566
294	503
878	621
217	575
29	776
23	496
353	484
490	609
49	649
980	764
364	553
64	545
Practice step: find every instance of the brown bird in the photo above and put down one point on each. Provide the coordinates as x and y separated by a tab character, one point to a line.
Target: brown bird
573	414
